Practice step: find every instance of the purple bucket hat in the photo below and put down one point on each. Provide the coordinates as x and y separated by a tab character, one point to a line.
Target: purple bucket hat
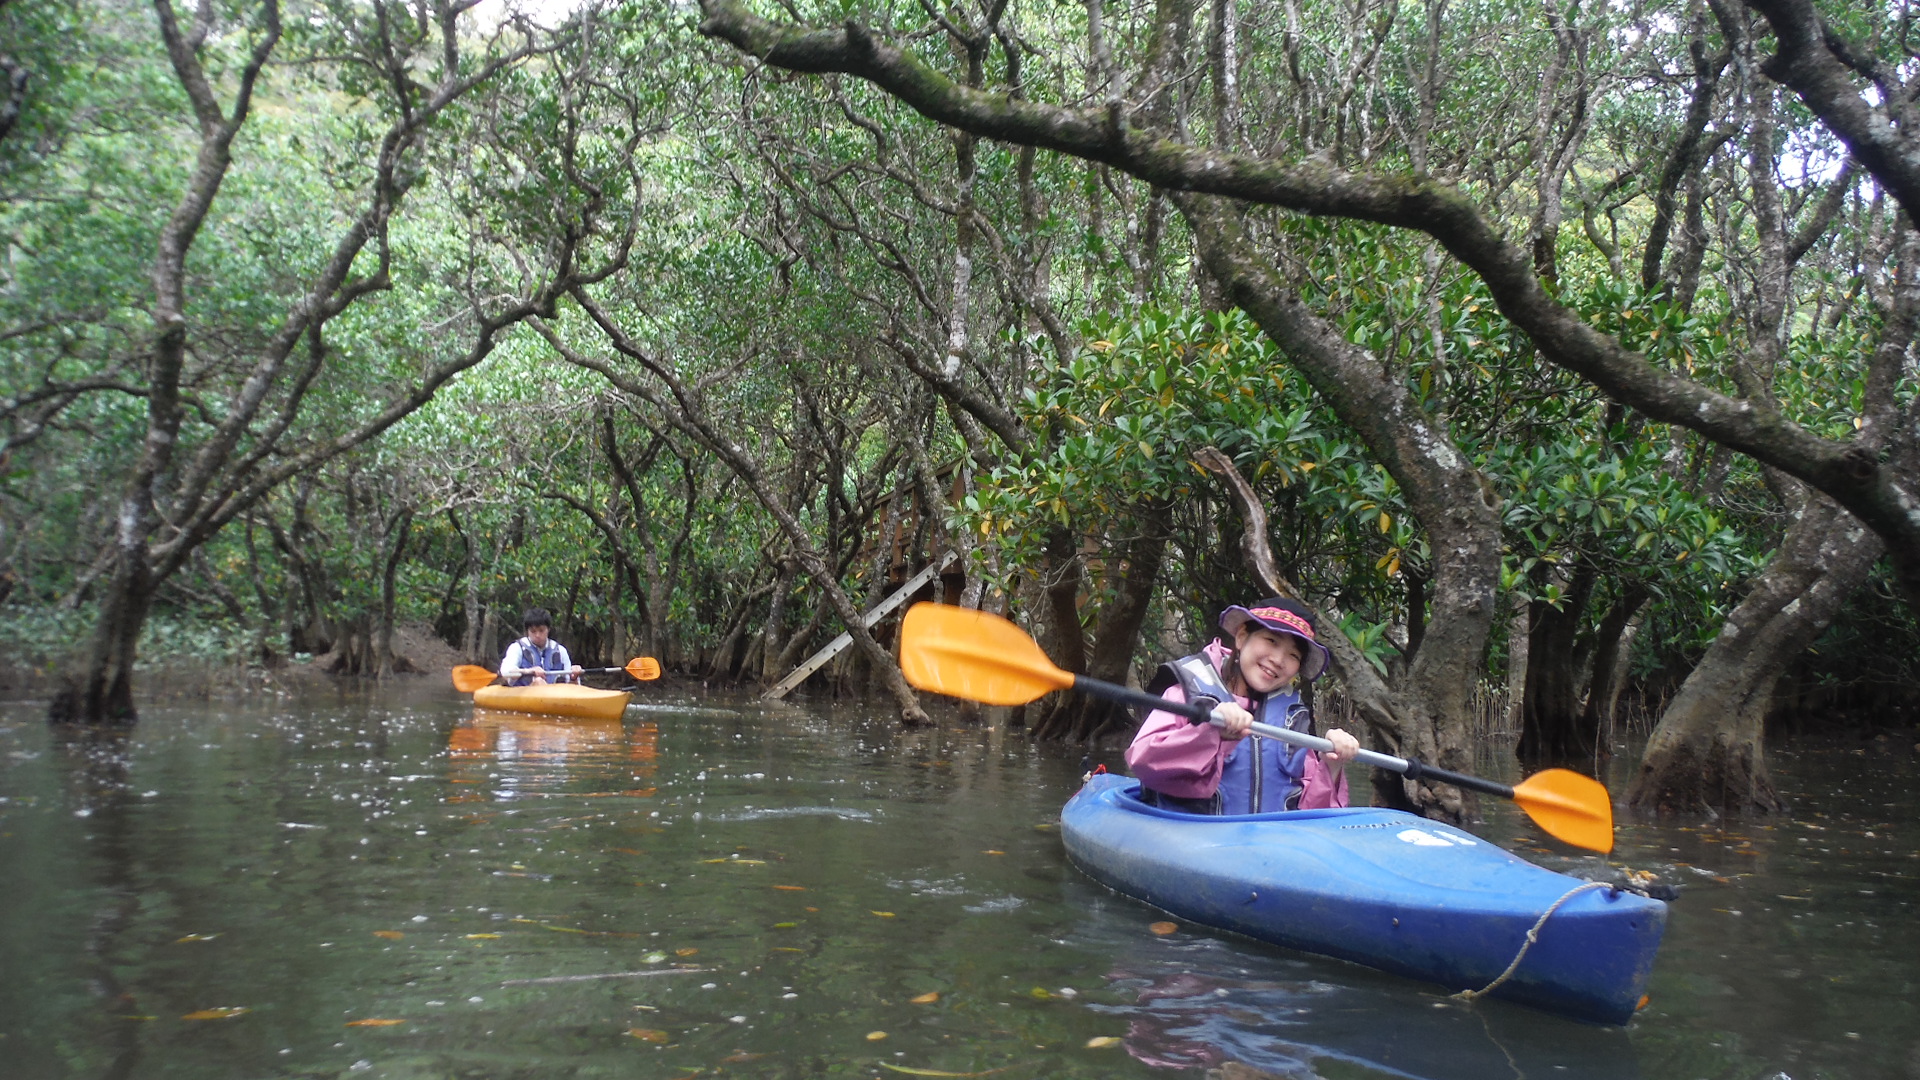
1282	616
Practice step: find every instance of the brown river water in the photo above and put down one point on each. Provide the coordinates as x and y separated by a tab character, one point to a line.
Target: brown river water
388	884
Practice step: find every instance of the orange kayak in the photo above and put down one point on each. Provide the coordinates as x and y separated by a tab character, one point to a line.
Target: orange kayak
555	699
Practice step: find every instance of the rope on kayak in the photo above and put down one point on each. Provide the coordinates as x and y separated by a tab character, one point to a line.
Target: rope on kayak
1533	935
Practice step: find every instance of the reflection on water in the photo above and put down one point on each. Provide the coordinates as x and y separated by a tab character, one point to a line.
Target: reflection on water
509	754
366	886
1303	1025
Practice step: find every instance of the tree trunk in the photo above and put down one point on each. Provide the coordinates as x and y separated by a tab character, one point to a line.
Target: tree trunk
771	635
487	639
1519	634
388	664
475	626
1708	754
1612	645
791	653
1066	638
103	694
726	661
1081	717
1551	727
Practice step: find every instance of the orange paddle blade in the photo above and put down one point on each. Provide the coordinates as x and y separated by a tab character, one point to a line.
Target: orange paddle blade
974	655
470	677
644	668
1570	807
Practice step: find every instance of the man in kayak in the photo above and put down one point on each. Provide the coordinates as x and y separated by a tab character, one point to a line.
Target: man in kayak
535	660
1208	769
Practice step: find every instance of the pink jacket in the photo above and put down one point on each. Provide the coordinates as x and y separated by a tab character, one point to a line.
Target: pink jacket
1184	760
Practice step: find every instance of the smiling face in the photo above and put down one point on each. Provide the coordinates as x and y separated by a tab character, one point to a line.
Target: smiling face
1267	661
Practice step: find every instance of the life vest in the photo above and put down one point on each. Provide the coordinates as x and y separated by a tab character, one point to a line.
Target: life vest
1260	775
550	659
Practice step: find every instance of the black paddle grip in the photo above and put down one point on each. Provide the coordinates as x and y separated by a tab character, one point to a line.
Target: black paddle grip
1140	699
1418	770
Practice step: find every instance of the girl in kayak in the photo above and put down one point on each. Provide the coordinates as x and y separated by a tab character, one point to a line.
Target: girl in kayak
535	660
1204	769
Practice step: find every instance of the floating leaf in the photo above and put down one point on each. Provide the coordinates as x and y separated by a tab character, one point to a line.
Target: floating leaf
483	937
785	925
1101	1042
741	1057
791	888
223	1013
927	998
784	948
652	1035
884	914
390	935
194	937
1040	993
654	957
1164	928
373	1022
990	851
876	1036
685	952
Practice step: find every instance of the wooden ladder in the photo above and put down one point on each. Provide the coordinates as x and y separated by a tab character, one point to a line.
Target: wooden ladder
833	648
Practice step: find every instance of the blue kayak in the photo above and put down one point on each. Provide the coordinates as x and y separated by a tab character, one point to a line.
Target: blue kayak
1379	887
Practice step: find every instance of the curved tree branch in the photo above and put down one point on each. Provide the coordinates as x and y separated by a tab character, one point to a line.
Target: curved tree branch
1819	66
1885	499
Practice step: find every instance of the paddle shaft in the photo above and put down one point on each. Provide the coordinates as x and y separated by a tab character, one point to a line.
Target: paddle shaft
1200	714
582	671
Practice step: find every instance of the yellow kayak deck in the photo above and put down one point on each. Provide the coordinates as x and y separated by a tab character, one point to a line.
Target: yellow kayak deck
555	699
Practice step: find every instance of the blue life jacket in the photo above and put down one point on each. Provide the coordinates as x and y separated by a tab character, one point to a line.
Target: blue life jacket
1261	775
550	659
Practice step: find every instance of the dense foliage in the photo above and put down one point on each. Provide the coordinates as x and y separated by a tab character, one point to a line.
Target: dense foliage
609	317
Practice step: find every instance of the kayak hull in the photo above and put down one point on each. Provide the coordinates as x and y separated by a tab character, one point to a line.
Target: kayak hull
1378	887
555	699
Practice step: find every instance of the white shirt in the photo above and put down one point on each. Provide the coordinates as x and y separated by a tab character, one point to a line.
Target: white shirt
517	664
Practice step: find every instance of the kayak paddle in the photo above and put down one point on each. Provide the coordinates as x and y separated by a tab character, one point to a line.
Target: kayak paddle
983	657
470	677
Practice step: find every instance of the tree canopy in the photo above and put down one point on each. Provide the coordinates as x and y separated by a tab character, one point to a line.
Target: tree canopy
1558	356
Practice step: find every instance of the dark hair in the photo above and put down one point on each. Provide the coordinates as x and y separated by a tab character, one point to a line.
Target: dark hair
535	616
